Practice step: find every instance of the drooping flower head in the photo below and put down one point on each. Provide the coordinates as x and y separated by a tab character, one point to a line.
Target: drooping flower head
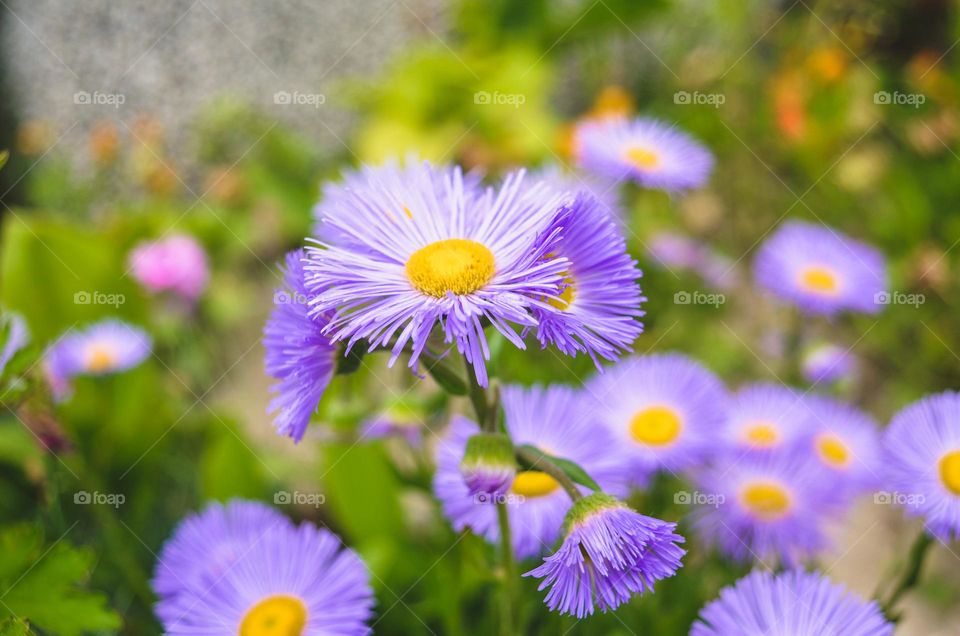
176	264
765	506
558	421
488	465
106	347
827	363
820	270
846	443
922	459
791	603
665	411
766	417
647	151
271	578
598	311
423	249
298	355
609	553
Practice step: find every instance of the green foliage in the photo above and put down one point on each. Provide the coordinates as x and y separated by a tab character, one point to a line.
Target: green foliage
42	584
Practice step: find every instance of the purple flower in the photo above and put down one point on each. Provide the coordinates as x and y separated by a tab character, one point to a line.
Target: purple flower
399	420
176	264
298	355
609	552
598	311
673	251
792	603
827	363
820	270
922	459
846	443
261	575
106	347
558	421
647	151
766	417
205	545
665	411
765	506
488	466
424	249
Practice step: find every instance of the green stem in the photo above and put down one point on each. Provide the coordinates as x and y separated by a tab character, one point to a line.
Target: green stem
487	410
534	461
509	571
911	575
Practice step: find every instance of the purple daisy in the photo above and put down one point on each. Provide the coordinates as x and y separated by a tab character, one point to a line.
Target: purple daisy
765	506
558	421
846	443
820	270
665	411
647	151
609	553
280	579
598	311
106	347
766	417
298	355
827	363
791	603
206	544
426	250
922	459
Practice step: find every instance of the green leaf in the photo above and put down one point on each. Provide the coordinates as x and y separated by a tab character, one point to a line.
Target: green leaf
3	161
42	584
573	470
14	627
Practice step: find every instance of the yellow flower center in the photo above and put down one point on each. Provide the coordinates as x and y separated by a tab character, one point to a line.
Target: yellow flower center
819	280
279	615
643	158
762	434
766	500
100	358
655	426
832	450
950	471
533	483
460	266
566	296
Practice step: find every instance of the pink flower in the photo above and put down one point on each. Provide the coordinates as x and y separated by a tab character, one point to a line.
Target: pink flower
177	264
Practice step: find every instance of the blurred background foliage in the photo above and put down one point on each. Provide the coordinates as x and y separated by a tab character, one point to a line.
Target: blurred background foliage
799	135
